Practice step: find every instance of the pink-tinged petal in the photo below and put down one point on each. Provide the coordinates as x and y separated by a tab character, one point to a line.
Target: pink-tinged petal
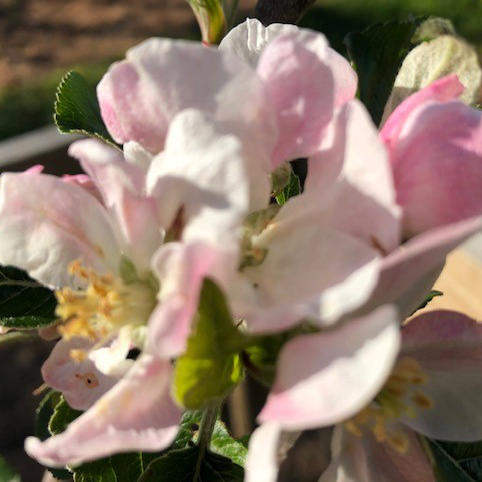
268	447
122	185
443	90
79	381
212	202
310	271
408	273
182	269
108	169
250	38
86	183
37	169
363	459
49	333
300	85
437	166
350	182
325	378
46	223
137	414
140	96
448	346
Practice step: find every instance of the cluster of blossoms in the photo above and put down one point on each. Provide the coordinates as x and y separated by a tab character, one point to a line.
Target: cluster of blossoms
206	133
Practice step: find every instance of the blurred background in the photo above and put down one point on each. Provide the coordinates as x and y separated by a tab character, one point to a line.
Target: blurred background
40	40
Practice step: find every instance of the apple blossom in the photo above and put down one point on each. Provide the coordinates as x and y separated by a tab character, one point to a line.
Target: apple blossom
432	389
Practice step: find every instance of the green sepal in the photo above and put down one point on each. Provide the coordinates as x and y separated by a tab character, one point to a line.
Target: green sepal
211	367
433	294
292	189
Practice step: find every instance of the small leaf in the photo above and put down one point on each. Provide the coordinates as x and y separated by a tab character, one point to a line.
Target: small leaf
63	415
291	190
211	368
77	110
45	410
433	294
192	465
460	462
223	444
378	53
24	303
6	473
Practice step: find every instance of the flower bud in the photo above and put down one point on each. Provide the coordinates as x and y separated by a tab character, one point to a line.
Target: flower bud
211	19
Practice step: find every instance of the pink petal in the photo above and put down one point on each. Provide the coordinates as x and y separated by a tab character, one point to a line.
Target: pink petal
325	378
79	381
182	268
410	271
249	39
86	183
448	346
122	185
45	224
310	271
363	459
350	181
141	95
214	201
301	88
443	90
137	414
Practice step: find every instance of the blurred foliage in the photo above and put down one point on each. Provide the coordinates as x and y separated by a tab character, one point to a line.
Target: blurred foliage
31	105
336	18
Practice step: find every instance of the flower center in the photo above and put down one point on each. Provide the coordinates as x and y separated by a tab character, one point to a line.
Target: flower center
107	304
400	396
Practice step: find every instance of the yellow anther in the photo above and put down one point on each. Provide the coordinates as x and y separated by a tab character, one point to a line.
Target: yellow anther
421	400
104	306
399	441
398	397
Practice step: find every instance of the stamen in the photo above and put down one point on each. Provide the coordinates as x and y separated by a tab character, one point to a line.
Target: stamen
398	398
101	309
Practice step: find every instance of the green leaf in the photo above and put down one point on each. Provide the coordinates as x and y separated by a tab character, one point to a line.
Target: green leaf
291	190
223	444
62	416
24	303
433	294
460	462
118	468
45	410
378	53
77	110
6	473
211	368
192	465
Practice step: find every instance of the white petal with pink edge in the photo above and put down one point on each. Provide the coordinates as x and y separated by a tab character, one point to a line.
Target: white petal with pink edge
325	378
137	414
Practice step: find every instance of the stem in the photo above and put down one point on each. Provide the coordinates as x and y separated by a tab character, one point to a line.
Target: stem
207	427
206	430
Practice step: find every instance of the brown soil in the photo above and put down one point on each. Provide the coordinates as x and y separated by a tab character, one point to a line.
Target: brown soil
39	35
